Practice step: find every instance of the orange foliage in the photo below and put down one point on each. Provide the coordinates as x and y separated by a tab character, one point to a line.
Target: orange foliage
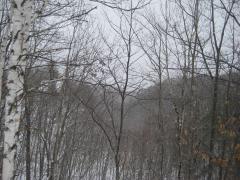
215	160
229	127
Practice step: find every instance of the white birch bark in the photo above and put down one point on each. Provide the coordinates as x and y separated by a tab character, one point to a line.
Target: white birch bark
20	24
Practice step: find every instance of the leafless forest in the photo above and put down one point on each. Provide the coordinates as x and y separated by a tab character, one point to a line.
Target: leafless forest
120	89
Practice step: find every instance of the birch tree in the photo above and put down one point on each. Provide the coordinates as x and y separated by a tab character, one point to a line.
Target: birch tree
21	14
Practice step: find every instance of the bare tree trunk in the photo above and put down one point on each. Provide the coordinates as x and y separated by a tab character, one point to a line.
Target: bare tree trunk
28	140
2	60
4	29
3	49
20	25
117	168
105	167
217	55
